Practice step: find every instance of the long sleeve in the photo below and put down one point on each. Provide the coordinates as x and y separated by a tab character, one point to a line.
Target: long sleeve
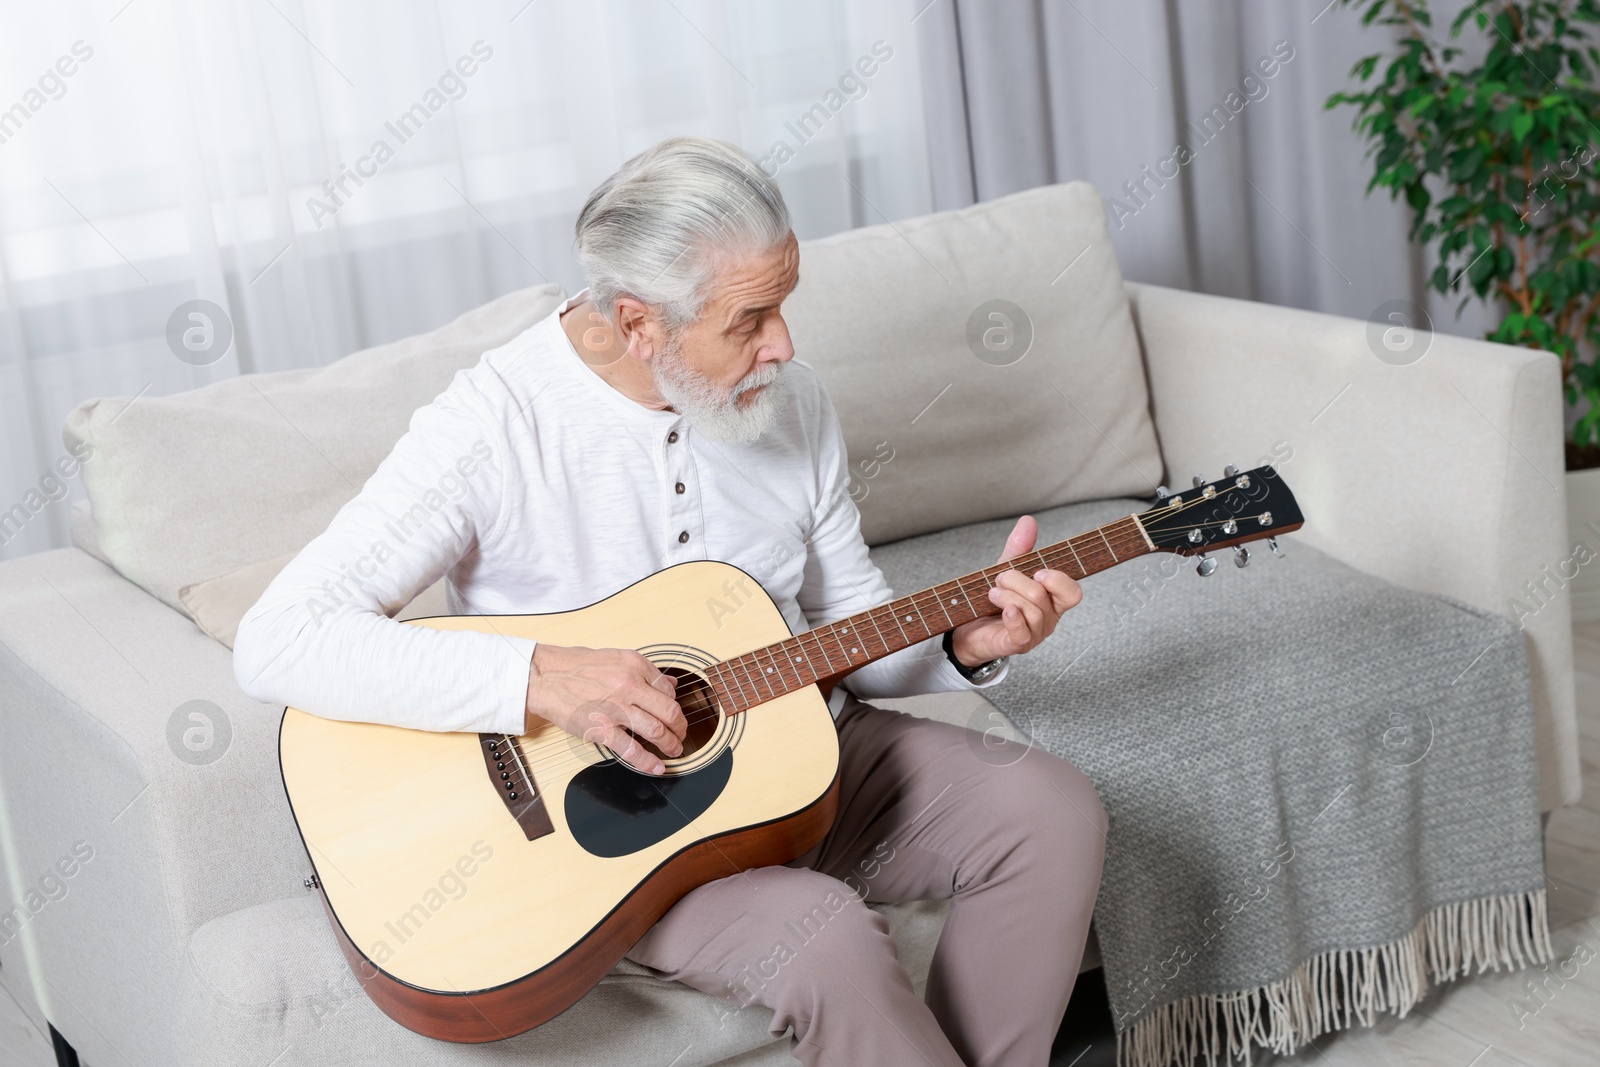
841	579
322	637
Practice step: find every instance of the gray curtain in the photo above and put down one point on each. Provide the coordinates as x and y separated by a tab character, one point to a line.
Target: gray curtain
1270	204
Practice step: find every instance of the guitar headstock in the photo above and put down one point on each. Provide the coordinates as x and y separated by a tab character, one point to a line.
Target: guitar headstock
1240	507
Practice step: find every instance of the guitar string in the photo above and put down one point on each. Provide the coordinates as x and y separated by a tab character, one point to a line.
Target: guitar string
560	768
556	758
828	636
1124	539
543	767
830	644
560	748
720	672
552	772
559	757
918	602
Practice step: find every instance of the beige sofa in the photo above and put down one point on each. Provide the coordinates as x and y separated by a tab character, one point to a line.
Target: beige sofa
185	937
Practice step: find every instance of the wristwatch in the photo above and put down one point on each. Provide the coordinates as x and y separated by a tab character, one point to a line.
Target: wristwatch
982	672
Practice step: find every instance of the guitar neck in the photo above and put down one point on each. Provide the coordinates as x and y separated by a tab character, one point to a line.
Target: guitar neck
831	651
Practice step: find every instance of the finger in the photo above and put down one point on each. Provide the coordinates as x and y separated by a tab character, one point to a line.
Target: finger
660	707
1023	534
627	748
662	682
1036	592
655	731
1064	589
1013	636
598	719
1030	615
1016	630
1035	623
1027	587
602	725
652	729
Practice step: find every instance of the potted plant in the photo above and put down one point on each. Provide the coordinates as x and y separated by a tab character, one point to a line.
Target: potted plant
1499	161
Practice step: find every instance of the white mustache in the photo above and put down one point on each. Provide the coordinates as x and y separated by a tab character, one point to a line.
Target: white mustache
764	375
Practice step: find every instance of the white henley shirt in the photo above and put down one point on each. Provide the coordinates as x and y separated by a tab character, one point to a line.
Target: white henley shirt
537	487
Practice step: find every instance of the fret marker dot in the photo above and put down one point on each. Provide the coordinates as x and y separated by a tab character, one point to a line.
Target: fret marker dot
852	651
769	670
908	618
797	659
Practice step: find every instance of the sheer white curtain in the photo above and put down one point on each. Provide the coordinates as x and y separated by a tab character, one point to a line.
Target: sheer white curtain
186	153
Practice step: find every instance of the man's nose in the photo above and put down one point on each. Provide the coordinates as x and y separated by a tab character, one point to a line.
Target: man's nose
778	348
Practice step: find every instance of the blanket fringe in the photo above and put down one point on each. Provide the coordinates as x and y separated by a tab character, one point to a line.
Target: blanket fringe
1332	990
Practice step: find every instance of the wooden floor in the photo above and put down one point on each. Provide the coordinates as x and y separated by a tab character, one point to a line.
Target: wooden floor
1468	1024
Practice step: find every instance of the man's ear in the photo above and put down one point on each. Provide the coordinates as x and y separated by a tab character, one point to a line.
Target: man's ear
637	326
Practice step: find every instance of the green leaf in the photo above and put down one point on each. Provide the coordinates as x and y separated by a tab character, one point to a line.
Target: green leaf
1481	273
1465	164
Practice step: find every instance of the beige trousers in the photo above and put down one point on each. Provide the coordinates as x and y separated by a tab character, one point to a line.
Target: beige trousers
1012	837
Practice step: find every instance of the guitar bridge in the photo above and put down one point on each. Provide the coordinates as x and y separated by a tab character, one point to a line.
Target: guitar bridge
508	770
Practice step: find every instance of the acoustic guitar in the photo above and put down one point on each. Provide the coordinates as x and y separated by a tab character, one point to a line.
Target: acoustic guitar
480	884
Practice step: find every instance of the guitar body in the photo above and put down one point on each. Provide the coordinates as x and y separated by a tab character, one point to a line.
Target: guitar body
468	916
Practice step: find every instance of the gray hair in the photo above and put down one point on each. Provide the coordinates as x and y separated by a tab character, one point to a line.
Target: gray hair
656	228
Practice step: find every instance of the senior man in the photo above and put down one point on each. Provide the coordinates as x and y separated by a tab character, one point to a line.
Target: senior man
657	417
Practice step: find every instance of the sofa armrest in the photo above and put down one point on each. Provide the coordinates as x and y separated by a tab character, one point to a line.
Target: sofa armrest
93	674
1445	475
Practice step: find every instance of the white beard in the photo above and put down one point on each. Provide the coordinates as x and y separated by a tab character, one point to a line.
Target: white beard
711	409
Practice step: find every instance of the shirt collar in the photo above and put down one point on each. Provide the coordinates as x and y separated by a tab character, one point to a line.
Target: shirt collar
661	422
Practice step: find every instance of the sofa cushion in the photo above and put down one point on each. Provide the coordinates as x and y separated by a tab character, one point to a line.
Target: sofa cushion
188	487
894	318
270	978
80	525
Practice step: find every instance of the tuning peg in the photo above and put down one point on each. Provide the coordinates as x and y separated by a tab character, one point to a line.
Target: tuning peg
1230	471
1162	493
1241	556
1272	543
1199	480
1205	567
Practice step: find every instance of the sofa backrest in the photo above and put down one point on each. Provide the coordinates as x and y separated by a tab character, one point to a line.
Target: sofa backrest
194	487
983	361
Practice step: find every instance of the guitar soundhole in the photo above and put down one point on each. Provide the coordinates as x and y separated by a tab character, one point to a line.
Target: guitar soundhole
699	703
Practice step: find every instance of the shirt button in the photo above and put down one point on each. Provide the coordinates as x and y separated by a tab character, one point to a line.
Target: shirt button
679	487
672	438
683	538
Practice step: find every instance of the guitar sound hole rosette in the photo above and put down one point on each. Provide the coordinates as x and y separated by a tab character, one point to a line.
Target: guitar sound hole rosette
711	732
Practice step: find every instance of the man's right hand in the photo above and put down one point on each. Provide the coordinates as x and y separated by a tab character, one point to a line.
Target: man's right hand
600	694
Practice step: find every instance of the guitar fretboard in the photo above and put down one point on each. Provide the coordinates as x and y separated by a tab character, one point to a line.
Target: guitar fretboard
840	647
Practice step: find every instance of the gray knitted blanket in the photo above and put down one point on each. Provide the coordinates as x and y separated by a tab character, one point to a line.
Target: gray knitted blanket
1321	787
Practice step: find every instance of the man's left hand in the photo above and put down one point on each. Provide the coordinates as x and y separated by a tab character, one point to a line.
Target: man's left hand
1030	606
